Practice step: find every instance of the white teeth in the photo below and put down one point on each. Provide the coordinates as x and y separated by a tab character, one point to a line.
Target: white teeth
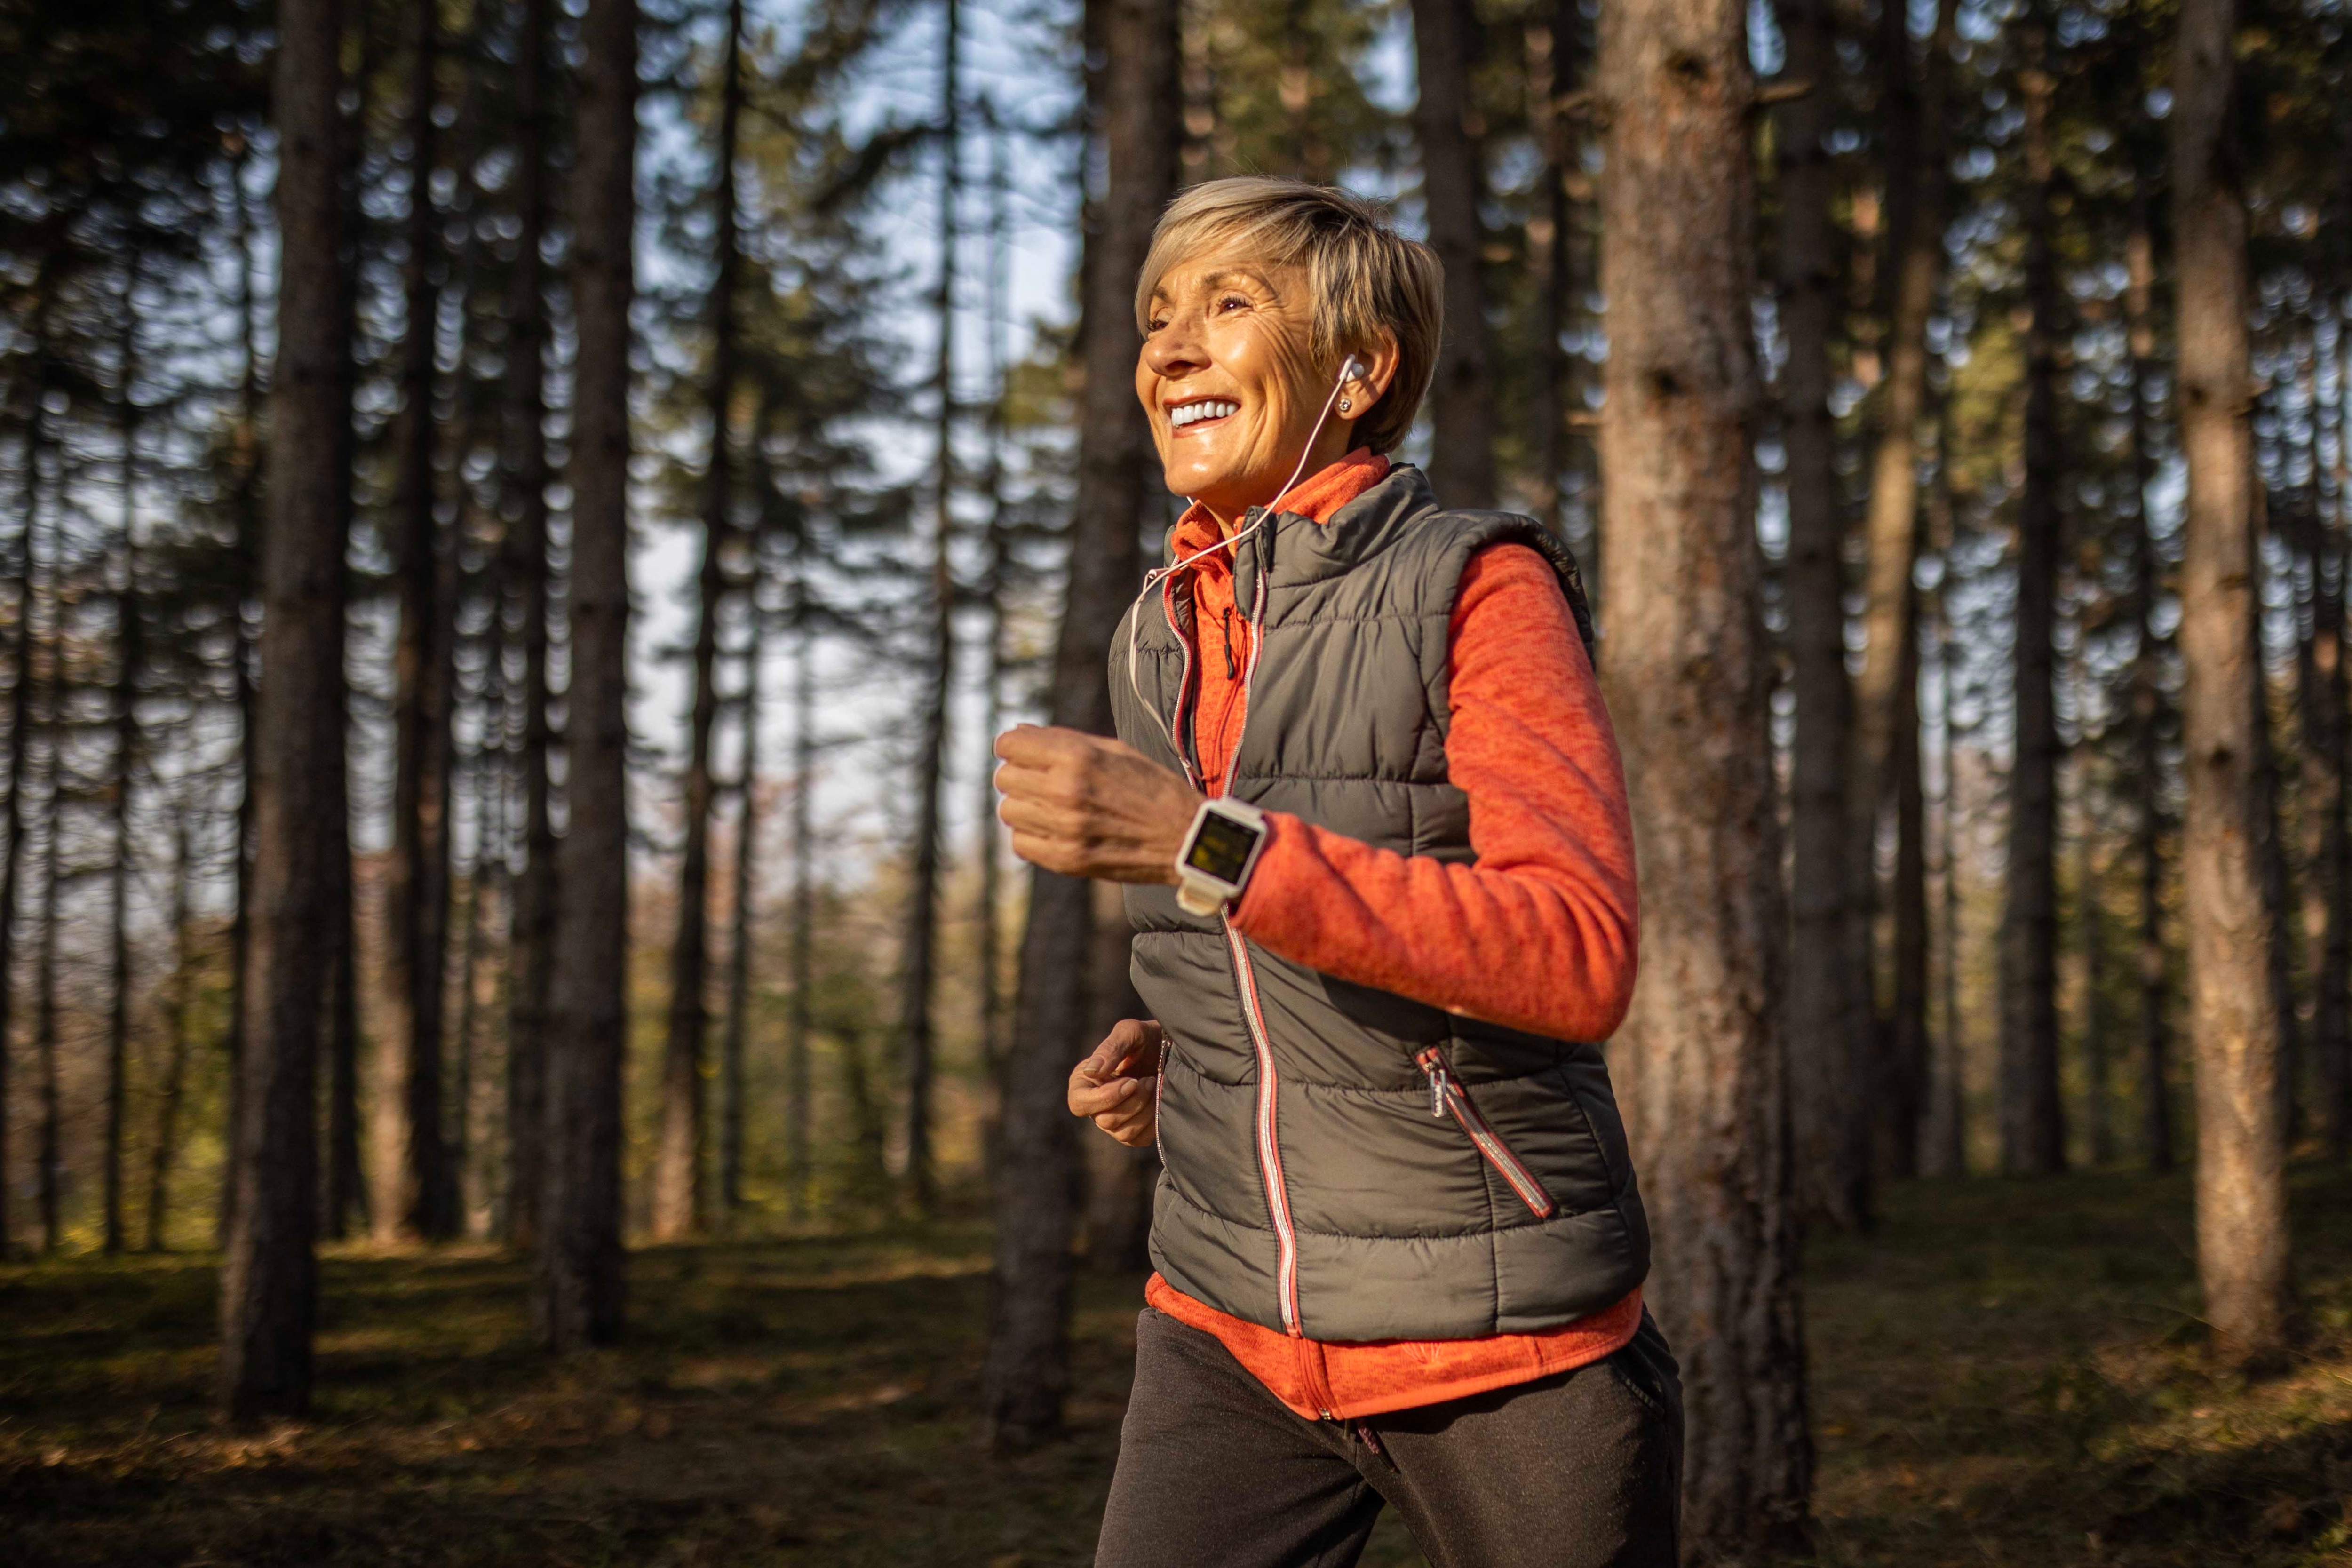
1208	408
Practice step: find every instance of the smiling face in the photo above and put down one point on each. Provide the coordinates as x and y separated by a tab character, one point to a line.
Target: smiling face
1230	381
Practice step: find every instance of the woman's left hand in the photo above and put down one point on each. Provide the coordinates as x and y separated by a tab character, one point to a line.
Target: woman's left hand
1089	807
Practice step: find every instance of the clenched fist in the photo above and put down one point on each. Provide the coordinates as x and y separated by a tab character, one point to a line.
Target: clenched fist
1108	1089
1088	806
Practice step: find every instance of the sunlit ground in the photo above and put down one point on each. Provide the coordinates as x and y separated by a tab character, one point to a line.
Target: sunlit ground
2006	1374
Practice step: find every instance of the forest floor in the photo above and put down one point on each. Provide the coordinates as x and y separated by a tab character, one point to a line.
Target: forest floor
2005	1374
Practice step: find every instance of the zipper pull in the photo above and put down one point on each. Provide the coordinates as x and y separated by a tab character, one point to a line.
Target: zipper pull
1433	1062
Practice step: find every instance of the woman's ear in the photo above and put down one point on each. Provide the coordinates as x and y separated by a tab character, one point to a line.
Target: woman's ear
1379	359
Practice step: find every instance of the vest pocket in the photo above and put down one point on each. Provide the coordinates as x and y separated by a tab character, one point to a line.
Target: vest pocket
1446	1094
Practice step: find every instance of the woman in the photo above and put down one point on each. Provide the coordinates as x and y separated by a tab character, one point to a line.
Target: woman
1368	809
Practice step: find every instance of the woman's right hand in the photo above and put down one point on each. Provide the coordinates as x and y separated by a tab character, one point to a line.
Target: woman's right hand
1107	1090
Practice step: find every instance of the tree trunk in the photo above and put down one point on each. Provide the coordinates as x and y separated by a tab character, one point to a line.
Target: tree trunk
1133	100
1885	758
166	1148
918	957
1688	671
524	564
2241	1228
1445	121
731	1073
346	1199
1902	1115
987	835
49	1162
581	1285
1551	44
797	1109
269	1275
2147	703
415	888
1945	1151
679	1203
1120	1180
246	504
1827	989
346	1206
2332	1020
2033	1122
12	855
2090	919
130	660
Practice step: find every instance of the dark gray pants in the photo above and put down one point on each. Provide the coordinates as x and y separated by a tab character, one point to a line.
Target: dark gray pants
1581	1470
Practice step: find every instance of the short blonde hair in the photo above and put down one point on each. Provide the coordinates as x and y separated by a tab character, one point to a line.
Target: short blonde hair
1367	278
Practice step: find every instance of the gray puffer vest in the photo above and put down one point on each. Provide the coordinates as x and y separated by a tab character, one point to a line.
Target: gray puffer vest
1341	1161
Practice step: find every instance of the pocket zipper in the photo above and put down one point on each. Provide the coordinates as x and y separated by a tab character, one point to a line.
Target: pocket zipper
1446	1093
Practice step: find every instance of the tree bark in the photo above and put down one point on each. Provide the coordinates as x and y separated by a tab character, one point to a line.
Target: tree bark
679	1199
1885	758
1551	40
130	660
1895	1131
581	1285
1944	1149
48	1154
2148	702
2242	1227
2332	1020
1828	993
733	1041
1134	100
1688	669
524	564
1445	121
164	1150
2090	921
346	1205
12	855
421	1206
2032	1121
918	958
988	833
269	1275
799	1021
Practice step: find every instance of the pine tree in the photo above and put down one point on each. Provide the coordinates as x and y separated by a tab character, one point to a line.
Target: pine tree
581	1280
1706	1085
1134	101
2242	1227
269	1276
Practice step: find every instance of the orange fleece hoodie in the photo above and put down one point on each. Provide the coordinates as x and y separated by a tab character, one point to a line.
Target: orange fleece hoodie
1539	934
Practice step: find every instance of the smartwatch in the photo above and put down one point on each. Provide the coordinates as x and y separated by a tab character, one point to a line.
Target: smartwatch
1214	864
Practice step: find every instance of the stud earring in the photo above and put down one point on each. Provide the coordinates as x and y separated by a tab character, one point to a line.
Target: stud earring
1343	405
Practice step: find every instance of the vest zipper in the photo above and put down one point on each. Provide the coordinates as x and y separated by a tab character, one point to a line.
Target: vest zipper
1179	731
1446	1093
1269	1150
1159	1088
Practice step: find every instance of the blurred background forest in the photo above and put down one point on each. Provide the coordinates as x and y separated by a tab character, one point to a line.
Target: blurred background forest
826	388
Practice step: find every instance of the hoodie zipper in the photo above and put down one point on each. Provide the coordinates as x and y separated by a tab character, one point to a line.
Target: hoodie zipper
1269	1150
1446	1093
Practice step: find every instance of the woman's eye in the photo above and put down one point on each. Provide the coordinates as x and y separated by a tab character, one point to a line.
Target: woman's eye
1232	302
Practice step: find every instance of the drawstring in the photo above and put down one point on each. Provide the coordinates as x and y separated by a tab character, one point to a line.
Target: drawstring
1233	666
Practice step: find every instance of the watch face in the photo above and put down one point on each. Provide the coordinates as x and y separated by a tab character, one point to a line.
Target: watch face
1222	848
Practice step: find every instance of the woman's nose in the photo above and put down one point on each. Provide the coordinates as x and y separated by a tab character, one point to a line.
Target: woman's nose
1175	351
